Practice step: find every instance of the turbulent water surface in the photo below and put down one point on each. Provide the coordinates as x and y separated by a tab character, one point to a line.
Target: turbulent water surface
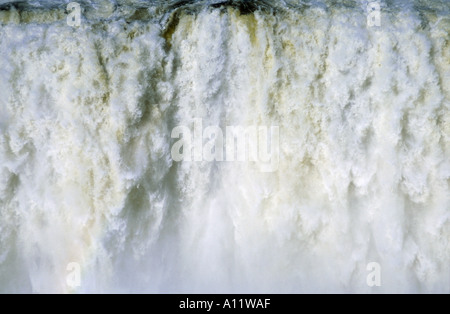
87	176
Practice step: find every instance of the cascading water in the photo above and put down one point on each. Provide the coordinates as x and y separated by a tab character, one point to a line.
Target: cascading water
87	175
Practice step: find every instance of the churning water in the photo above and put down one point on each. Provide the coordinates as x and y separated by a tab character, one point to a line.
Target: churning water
87	175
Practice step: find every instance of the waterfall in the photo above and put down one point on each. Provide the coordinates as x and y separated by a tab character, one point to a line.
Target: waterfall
89	183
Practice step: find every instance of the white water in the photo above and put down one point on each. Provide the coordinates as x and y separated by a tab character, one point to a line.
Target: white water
86	174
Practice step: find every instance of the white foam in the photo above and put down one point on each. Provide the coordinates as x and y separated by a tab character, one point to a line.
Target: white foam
86	174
